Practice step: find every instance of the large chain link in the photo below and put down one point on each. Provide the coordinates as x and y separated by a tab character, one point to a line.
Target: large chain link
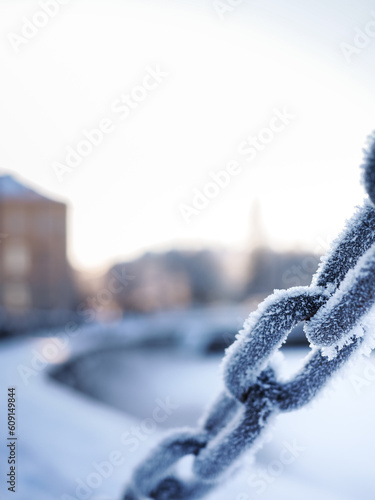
342	292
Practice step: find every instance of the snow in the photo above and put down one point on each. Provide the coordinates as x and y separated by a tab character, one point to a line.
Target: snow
62	433
356	238
192	330
337	320
264	332
10	188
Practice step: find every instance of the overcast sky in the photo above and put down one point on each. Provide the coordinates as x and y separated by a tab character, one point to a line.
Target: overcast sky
177	88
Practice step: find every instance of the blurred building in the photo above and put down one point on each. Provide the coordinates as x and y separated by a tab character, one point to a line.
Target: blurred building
174	279
268	269
34	271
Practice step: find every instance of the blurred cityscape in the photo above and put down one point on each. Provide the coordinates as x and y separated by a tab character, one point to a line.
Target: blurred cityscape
164	168
39	289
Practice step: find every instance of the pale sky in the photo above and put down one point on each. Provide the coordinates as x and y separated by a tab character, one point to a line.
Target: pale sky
222	80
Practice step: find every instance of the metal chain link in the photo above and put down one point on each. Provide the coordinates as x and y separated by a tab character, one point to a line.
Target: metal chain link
253	394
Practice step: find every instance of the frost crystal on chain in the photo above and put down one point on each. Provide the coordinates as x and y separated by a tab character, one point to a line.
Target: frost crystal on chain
336	308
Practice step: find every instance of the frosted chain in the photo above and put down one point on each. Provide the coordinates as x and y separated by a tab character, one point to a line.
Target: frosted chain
341	293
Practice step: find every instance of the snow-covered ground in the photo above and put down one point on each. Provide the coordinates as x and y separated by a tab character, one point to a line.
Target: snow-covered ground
72	446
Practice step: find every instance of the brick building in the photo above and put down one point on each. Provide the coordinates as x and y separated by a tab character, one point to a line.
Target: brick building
34	271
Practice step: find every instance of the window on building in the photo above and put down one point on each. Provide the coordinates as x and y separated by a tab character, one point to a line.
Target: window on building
16	258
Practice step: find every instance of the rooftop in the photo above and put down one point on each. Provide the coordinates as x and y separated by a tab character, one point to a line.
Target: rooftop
12	189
